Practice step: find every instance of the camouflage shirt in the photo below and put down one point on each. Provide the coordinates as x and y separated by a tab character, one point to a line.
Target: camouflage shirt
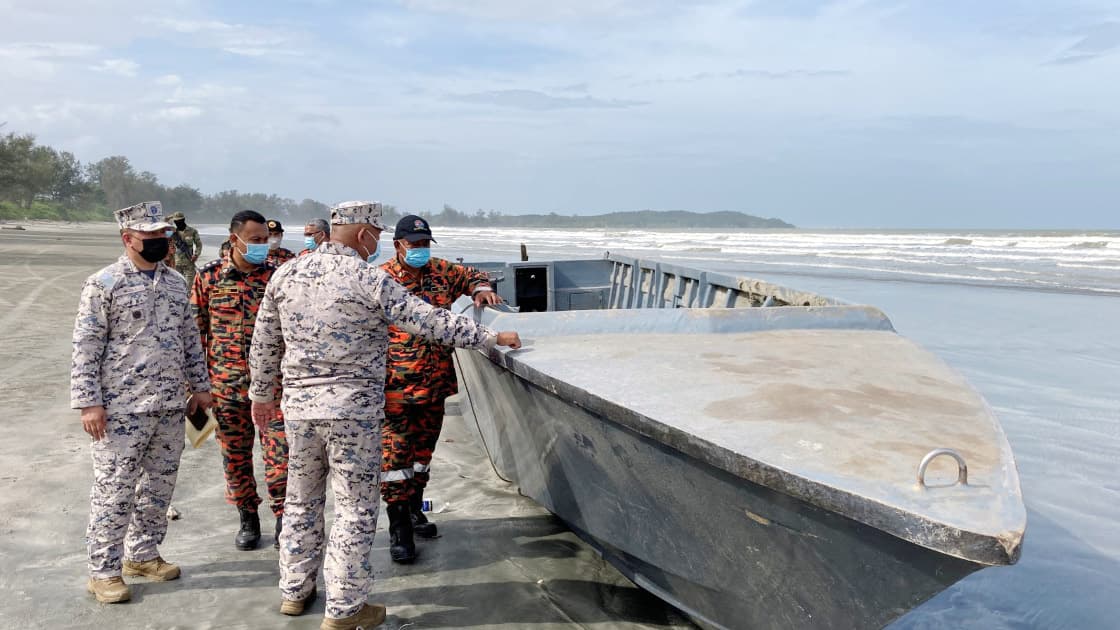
225	302
279	256
188	244
324	324
421	371
136	346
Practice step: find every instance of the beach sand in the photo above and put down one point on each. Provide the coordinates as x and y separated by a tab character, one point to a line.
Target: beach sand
502	559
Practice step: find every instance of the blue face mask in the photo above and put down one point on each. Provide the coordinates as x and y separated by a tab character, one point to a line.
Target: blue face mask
169	233
309	242
376	248
255	253
417	257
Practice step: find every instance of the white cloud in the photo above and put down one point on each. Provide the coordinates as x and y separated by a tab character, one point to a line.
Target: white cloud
238	39
194	26
539	10
177	114
169	79
539	101
46	50
40	61
206	94
122	67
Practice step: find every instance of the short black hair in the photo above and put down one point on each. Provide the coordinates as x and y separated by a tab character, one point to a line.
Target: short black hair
243	217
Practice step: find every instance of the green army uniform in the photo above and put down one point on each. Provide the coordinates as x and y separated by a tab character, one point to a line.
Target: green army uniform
188	247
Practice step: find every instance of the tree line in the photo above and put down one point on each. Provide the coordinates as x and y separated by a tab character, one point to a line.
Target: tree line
39	182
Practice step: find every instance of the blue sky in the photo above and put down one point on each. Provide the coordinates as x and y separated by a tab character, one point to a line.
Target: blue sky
846	113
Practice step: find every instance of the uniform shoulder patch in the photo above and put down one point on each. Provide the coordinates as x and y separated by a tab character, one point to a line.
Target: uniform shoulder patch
107	279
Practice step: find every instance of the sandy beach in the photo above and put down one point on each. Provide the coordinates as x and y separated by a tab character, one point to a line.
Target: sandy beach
502	560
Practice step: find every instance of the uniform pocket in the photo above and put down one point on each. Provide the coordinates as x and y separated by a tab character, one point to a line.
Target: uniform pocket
129	312
225	308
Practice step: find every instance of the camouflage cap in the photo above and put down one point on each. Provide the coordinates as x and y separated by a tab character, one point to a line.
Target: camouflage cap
358	212
177	216
143	217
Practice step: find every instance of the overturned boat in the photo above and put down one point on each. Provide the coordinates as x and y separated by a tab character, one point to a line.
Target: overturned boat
756	456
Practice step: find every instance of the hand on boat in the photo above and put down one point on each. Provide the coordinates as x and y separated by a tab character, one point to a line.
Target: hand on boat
509	338
486	296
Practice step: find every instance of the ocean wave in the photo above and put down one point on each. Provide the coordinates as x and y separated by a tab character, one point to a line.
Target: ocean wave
957	241
1089	245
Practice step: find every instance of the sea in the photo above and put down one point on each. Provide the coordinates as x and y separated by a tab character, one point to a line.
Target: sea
1030	318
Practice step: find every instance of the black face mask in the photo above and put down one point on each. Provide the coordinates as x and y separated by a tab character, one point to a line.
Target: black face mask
180	224
155	249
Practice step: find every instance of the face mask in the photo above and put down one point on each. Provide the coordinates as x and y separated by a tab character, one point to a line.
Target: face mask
169	233
180	224
274	241
376	250
154	249
309	242
417	257
255	253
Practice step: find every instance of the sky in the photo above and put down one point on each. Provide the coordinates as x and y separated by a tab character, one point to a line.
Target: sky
842	113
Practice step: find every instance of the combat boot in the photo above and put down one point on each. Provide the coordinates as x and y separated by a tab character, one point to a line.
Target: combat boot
420	524
295	607
402	548
250	533
156	569
279	528
368	618
109	590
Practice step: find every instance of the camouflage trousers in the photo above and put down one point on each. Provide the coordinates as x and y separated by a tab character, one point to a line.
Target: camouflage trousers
408	438
345	451
235	437
186	268
134	471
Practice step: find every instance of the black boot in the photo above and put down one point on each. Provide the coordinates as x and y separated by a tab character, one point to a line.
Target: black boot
420	523
402	548
279	528
250	533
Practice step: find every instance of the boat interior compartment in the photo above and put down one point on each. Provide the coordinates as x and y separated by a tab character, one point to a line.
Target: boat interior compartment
620	282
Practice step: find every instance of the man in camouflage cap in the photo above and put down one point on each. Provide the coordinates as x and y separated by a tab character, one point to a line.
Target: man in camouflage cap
136	354
188	246
323	327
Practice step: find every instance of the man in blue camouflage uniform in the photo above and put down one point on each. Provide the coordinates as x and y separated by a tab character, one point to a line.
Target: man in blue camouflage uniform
136	355
323	326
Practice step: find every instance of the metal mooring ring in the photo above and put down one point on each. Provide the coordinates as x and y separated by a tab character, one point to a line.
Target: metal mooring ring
962	468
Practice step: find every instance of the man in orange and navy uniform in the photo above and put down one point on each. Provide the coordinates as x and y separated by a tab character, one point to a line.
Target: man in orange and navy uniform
419	376
277	253
226	295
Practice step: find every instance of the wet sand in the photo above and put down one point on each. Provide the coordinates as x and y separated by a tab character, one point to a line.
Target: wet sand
501	561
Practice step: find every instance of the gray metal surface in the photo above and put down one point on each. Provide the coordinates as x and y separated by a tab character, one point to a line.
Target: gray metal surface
753	466
729	552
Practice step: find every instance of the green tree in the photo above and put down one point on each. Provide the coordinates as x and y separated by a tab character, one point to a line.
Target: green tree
115	177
